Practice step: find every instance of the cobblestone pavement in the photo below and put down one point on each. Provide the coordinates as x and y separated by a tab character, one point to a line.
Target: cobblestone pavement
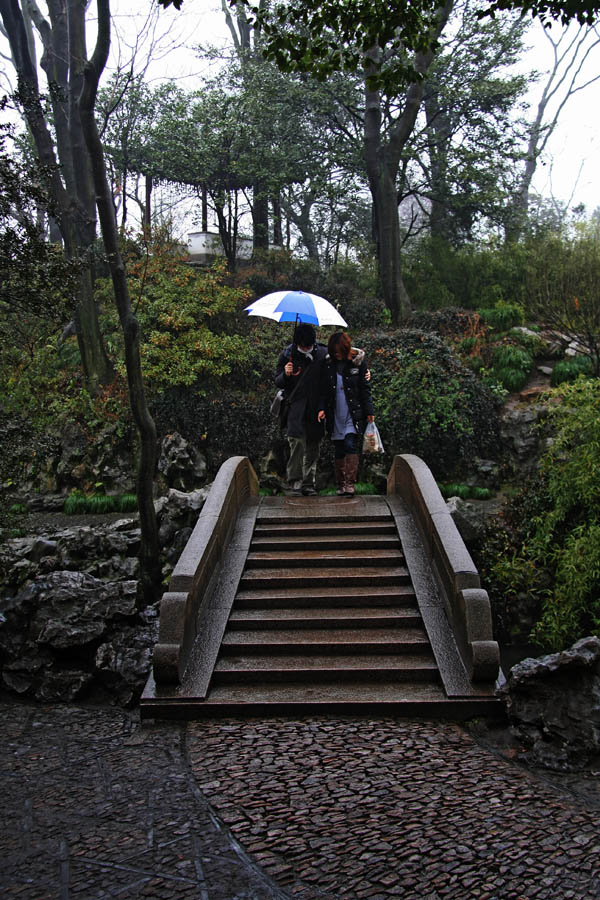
380	809
96	806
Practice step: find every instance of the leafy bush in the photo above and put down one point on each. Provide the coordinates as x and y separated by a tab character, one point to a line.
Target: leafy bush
570	369
189	320
127	503
427	402
563	285
439	275
511	365
512	380
503	316
533	343
552	560
454	322
465	491
365	487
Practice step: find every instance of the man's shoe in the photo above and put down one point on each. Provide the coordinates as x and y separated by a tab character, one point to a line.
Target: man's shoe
293	489
308	490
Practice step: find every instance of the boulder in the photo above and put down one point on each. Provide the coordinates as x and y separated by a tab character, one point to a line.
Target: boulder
519	431
180	463
553	705
42	547
469	520
123	663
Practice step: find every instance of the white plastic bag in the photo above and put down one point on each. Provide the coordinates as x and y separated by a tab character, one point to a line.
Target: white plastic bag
372	442
277	403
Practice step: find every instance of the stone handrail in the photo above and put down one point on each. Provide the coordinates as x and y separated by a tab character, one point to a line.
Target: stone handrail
198	566
467	604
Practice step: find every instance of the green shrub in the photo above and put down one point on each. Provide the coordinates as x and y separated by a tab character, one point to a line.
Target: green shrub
511	365
188	321
511	356
481	493
503	316
427	400
365	487
512	380
75	504
552	559
570	369
534	344
78	503
465	491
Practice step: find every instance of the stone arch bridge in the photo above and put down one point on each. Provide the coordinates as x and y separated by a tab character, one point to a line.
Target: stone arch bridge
331	604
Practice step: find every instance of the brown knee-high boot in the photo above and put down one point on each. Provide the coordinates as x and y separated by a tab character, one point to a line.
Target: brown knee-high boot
351	473
340	475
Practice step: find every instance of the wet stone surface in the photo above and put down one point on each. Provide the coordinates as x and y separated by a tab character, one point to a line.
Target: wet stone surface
378	809
96	806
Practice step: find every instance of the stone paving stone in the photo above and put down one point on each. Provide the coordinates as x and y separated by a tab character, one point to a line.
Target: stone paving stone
94	806
389	808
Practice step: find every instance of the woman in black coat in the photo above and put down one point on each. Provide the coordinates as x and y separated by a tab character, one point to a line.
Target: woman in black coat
346	406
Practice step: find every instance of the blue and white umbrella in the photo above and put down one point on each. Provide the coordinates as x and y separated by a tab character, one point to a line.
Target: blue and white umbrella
296	306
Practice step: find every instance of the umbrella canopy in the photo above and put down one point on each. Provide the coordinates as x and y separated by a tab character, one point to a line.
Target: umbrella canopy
296	306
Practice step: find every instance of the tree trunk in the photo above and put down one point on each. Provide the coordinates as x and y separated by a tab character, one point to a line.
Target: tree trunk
439	137
204	208
382	158
149	554
147	223
304	225
260	217
381	173
63	42
277	230
387	236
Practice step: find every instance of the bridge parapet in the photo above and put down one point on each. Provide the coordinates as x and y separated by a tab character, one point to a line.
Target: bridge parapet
198	567
467	604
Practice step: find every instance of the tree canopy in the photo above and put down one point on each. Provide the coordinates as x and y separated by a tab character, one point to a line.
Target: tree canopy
324	36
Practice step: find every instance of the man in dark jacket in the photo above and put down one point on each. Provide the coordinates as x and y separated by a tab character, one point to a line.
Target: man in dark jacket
298	373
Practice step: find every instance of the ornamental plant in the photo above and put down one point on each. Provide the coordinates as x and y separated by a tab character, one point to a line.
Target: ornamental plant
188	320
556	559
428	402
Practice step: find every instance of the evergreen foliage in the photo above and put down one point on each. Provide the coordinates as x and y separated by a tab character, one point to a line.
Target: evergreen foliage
428	402
551	555
570	369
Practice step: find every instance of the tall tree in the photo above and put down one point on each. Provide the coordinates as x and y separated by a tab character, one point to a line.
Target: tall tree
570	51
149	554
383	150
461	161
246	41
66	162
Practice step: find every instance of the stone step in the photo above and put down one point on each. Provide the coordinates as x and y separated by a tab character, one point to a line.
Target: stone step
326	640
309	517
323	576
327	528
359	668
283	559
325	542
341	596
332	617
426	699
